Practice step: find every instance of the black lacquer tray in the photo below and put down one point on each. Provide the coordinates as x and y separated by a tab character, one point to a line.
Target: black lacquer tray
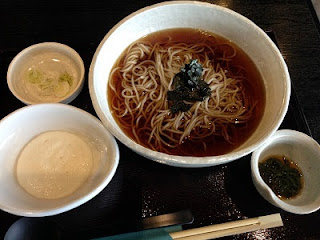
142	188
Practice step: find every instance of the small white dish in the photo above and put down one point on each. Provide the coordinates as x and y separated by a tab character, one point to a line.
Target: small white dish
45	73
20	127
302	150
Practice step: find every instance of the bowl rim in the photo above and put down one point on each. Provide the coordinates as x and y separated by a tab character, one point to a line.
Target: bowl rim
54	45
90	194
263	187
188	161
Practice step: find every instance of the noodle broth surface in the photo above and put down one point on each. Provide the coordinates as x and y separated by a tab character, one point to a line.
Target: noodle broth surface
142	76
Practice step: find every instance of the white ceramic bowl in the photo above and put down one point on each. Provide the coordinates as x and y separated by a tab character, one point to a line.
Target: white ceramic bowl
51	60
19	127
212	18
302	150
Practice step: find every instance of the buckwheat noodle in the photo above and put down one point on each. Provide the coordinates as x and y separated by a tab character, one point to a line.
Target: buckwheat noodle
140	101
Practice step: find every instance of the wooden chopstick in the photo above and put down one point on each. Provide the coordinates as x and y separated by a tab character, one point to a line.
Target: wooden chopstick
229	228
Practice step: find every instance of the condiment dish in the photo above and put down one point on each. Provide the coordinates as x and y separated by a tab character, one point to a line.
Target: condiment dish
216	19
47	72
24	125
305	153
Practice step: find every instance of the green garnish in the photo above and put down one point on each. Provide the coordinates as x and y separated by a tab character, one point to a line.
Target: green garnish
66	77
282	176
50	84
34	76
188	86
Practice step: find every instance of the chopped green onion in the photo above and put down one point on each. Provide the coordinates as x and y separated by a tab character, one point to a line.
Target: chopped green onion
34	76
66	77
61	89
50	85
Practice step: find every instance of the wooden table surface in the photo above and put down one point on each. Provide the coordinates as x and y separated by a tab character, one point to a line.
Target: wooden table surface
214	195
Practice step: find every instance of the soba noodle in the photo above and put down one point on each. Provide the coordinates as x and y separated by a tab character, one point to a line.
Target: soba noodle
143	76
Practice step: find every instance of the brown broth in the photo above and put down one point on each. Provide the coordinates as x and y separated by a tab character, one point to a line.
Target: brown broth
254	88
